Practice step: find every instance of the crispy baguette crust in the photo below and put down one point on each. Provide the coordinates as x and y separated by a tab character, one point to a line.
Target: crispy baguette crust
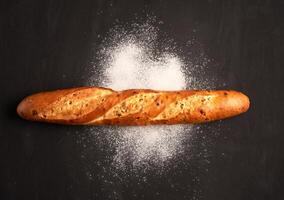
103	106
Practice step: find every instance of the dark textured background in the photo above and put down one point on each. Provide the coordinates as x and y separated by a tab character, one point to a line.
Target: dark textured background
49	44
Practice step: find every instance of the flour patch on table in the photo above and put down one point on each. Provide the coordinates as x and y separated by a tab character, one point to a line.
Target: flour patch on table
137	56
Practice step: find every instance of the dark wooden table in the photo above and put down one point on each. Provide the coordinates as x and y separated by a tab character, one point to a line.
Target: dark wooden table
50	44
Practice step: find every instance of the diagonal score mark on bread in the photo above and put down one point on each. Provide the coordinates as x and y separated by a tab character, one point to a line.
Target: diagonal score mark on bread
76	105
129	107
136	108
115	106
185	106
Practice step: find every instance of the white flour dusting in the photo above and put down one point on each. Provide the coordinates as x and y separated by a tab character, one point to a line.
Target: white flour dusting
131	66
132	57
144	146
130	60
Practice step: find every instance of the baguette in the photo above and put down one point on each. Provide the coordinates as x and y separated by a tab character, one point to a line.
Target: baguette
103	106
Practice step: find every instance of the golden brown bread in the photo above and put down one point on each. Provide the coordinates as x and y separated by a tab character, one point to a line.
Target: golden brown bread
99	106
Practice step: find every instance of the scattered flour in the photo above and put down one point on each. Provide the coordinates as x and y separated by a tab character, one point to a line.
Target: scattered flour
131	62
132	57
131	66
